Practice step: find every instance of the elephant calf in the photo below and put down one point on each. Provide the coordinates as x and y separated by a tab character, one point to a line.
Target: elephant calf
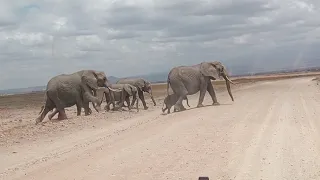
123	93
171	100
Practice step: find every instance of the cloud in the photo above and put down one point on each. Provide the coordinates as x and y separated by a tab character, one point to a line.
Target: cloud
40	39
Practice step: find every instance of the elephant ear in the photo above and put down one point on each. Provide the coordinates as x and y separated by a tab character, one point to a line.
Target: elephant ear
140	84
209	69
134	89
89	78
128	89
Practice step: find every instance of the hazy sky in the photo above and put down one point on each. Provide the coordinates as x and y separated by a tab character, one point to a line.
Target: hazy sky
118	36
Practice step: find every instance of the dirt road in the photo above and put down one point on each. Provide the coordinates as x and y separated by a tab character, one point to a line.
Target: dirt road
271	131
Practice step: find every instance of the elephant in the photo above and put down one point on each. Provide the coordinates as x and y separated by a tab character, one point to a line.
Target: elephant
188	80
123	94
170	100
142	85
66	90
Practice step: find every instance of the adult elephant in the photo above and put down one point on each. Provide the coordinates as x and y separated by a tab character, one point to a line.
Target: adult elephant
66	90
188	80
142	85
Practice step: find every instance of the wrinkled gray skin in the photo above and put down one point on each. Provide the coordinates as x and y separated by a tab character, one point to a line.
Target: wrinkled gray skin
188	80
171	100
123	93
66	90
142	86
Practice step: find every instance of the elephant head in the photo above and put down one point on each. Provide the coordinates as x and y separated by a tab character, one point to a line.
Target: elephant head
215	70
94	80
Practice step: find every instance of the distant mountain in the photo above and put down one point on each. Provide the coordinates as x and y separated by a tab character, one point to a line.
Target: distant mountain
155	78
113	79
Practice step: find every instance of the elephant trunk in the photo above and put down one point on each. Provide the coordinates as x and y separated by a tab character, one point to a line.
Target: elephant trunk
228	86
107	84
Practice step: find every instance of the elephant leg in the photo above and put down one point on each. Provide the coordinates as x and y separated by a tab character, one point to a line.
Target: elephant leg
179	106
50	116
89	110
86	108
141	97
121	104
78	109
62	115
79	104
107	106
127	99
203	89
181	92
212	93
134	99
59	105
137	105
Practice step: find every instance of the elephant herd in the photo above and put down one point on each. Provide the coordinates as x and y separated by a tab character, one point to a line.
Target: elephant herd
85	86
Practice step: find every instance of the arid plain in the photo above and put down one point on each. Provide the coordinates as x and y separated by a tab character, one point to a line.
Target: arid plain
270	131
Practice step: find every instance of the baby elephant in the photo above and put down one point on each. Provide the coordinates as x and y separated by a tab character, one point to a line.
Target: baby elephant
171	100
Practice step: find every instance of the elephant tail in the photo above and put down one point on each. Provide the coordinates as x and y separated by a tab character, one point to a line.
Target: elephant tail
42	107
168	84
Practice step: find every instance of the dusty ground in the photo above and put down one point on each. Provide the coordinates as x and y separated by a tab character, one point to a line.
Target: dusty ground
270	131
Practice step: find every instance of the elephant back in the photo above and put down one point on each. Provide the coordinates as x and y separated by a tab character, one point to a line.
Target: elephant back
117	86
137	82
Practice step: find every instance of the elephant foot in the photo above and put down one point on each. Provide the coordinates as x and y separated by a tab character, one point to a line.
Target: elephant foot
62	116
179	108
106	108
98	108
38	120
215	103
200	105
50	116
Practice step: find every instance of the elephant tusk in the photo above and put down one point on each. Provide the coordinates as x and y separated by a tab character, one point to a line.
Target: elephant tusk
229	80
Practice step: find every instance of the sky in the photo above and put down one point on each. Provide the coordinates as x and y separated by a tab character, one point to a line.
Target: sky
41	39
